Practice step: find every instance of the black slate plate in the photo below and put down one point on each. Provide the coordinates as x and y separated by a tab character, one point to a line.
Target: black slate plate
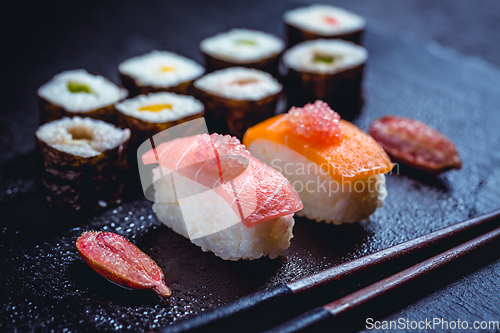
45	286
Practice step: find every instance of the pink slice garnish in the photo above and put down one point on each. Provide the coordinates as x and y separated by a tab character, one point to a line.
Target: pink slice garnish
120	261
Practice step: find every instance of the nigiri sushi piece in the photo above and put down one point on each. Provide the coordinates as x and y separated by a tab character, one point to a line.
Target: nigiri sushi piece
211	190
337	169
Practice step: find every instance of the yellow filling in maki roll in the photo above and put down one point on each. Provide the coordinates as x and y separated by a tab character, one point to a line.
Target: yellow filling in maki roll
155	107
168	69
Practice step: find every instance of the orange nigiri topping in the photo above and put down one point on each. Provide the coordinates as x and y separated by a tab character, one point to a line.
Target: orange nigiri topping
358	155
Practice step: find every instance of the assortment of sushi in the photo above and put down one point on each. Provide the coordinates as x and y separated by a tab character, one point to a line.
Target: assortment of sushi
235	200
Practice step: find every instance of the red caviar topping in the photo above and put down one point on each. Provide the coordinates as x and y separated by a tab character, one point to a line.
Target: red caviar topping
316	123
222	153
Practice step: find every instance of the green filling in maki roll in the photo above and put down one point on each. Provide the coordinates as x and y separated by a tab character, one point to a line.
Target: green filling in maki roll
325	58
245	42
77	87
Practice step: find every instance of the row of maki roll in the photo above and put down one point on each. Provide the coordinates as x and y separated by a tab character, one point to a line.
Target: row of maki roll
323	21
242	47
236	98
79	93
81	161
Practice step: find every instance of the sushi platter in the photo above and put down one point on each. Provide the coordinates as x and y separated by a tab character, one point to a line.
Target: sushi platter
173	173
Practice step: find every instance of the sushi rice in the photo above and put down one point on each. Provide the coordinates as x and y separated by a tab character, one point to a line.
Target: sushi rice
324	198
242	46
239	83
160	107
90	92
84	137
161	69
313	56
315	19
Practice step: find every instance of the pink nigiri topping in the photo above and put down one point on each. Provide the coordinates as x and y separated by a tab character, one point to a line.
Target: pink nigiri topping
316	123
222	153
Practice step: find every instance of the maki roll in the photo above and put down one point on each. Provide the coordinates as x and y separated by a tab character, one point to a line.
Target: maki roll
159	71
326	69
242	47
236	98
337	169
209	189
147	115
82	161
323	21
78	93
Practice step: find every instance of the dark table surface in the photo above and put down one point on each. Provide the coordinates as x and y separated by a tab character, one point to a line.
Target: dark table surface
434	61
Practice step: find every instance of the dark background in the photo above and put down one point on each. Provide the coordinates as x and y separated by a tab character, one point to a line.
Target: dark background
432	60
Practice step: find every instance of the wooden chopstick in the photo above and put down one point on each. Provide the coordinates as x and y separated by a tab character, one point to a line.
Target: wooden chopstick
288	300
315	320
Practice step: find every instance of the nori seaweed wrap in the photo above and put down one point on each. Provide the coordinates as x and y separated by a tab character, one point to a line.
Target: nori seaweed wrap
82	161
78	93
237	98
328	70
159	71
242	47
323	21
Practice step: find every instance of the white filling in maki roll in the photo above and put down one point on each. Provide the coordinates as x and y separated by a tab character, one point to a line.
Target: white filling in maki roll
239	83
160	107
85	137
79	91
161	69
324	20
242	46
324	56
